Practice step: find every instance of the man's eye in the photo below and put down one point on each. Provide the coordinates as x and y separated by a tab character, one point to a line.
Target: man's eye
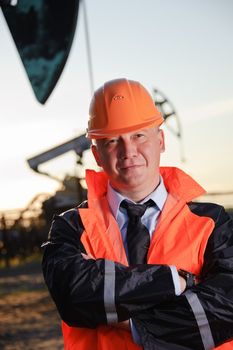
110	142
140	135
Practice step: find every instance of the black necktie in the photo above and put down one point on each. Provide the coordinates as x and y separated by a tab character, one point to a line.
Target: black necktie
137	236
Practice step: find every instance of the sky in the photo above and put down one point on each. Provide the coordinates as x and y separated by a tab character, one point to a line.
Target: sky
183	48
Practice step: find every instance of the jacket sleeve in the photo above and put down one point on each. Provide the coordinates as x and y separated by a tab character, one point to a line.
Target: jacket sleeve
202	317
88	293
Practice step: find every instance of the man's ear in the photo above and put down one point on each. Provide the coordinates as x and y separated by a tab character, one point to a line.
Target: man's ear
161	140
96	155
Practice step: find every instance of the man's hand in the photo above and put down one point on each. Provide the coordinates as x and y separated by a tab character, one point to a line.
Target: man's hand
182	284
87	256
187	279
122	325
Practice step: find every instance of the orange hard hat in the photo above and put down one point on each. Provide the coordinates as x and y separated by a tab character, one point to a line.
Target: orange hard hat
121	106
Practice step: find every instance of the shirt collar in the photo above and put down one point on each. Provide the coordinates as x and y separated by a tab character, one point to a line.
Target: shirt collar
159	196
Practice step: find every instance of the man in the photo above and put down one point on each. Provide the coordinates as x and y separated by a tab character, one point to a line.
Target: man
121	266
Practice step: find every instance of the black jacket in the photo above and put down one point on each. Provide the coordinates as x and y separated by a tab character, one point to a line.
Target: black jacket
163	320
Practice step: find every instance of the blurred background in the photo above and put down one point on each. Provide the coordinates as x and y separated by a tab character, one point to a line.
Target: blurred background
182	51
53	55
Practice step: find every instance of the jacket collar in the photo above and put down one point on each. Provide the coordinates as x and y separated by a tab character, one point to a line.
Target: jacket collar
177	182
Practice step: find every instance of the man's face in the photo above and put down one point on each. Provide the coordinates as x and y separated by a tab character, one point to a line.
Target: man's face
131	161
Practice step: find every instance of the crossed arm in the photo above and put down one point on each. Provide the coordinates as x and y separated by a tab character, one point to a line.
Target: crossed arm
91	292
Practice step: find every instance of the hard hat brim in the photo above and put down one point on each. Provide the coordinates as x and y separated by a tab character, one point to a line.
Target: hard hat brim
99	134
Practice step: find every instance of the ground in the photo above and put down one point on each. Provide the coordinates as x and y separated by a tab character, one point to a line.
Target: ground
28	318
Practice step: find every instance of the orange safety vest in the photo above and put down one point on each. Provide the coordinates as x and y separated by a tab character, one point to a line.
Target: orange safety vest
169	245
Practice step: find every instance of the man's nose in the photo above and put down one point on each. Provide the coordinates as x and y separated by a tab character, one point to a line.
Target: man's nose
128	149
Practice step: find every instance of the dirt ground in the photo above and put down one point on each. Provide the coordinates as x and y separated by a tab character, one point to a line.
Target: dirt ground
28	318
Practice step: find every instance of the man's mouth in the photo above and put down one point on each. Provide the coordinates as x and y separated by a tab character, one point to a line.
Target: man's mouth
130	166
